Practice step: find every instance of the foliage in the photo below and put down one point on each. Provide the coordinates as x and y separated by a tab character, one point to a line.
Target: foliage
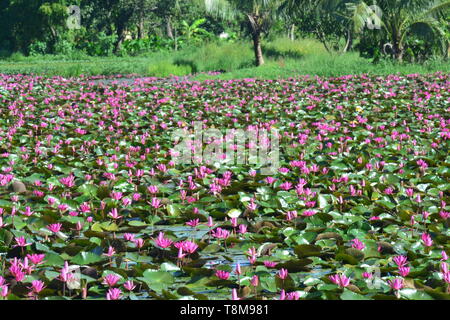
357	210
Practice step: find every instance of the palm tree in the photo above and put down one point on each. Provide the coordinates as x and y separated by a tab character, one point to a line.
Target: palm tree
324	18
259	13
401	18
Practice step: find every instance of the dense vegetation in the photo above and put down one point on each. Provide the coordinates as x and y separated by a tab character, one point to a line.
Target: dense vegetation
94	203
408	32
358	209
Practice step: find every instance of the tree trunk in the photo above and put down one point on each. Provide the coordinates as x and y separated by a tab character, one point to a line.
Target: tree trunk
169	29
397	46
257	47
398	50
141	33
349	44
447	52
120	39
322	40
292	32
141	22
175	39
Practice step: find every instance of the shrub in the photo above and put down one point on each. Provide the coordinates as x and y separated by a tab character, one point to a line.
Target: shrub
219	57
17	57
166	68
37	48
286	48
101	45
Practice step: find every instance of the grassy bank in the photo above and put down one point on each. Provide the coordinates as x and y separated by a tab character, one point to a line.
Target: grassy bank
284	58
329	66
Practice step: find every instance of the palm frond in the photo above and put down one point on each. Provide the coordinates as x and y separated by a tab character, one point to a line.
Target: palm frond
361	13
221	8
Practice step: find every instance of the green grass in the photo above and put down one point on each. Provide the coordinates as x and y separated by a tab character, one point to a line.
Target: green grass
91	66
328	66
284	58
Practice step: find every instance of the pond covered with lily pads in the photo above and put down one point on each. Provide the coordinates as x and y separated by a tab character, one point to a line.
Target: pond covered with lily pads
92	206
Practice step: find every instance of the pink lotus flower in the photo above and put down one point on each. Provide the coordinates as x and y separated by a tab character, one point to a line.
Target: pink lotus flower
223	275
37	286
340	280
286	186
113	294
193	223
220	233
335	279
357	244
290	215
344	281
446	277
234	295
254	281
252	206
116	195
409	192
114	214
181	255
427	241
129	285
270	264
400	260
79	226
252	253
238	270
396	284
210	223
111	252
163	242
21	242
188	246
404	271
1	223
139	242
156	203
55	228
69	181
292	296
28	212
65	274
153	189
444	214
242	229
282	274
63	207
270	180
4	291
111	280
128	236
136	196
309	213
36	258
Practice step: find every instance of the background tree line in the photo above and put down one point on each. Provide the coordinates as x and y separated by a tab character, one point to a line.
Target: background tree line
411	30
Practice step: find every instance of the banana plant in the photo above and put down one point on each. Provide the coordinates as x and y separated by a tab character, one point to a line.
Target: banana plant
400	19
258	13
193	30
